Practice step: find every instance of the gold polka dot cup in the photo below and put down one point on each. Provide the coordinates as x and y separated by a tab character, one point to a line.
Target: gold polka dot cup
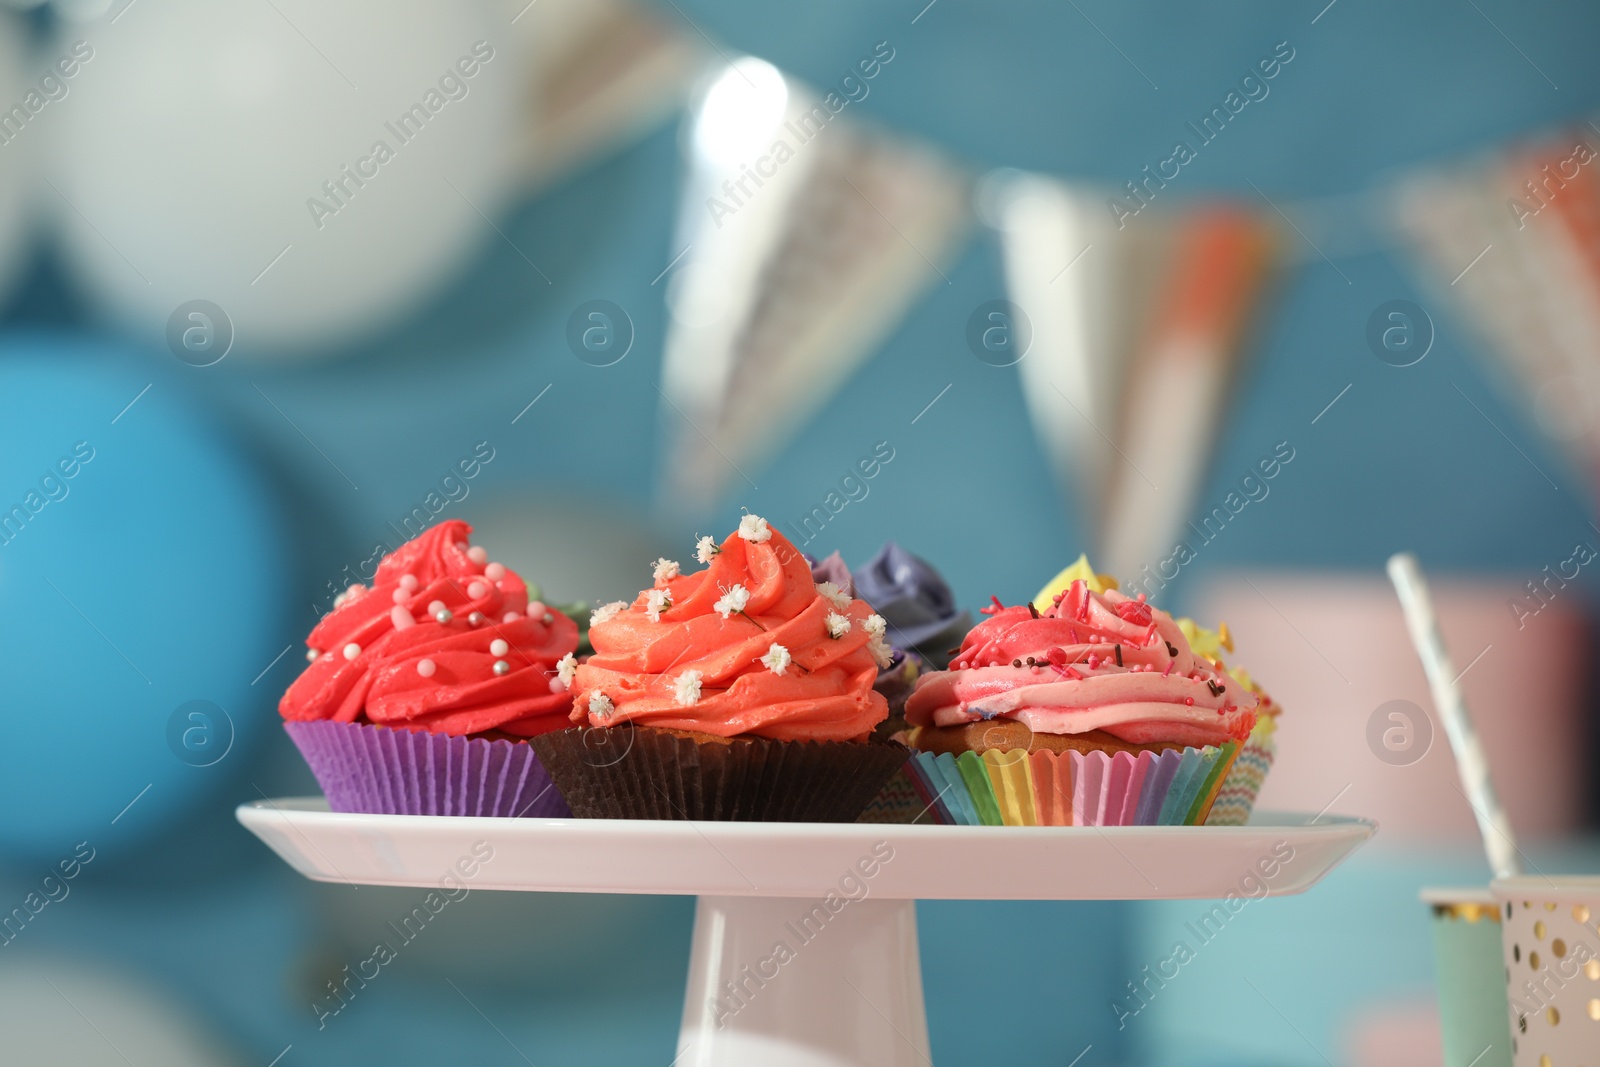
1550	933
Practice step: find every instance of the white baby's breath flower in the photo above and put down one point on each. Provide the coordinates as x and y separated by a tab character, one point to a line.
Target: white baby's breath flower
882	654
838	625
600	705
605	612
753	528
686	688
705	548
656	601
566	667
875	626
777	659
667	569
833	595
733	600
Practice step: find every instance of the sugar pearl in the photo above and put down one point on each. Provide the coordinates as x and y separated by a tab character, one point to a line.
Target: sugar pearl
442	616
311	655
556	686
401	596
426	667
510	616
435	607
409	582
476	618
477	590
536	608
352	650
401	618
501	666
548	619
497	647
478	554
495	571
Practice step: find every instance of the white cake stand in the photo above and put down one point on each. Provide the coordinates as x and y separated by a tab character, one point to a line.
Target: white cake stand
805	937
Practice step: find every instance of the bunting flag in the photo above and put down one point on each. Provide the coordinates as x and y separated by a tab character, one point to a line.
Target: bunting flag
1135	335
1513	243
604	71
803	239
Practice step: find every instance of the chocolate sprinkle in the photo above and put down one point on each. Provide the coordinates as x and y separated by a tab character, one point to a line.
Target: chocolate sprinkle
1033	609
1171	649
1016	663
1119	655
1216	690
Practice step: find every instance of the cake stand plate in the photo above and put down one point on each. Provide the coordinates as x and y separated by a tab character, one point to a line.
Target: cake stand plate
805	940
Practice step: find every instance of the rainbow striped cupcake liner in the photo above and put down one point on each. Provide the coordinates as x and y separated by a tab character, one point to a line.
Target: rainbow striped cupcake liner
1237	797
1013	787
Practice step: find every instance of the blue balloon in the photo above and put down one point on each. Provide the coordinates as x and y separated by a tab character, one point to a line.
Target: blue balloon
143	586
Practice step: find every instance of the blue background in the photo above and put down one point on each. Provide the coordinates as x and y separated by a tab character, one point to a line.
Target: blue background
240	509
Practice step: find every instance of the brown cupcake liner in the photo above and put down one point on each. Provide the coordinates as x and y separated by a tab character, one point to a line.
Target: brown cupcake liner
629	772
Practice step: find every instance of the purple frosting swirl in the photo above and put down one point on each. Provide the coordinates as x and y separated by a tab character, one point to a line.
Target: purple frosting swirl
913	599
833	569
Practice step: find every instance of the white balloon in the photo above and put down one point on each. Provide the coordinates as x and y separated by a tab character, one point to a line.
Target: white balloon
313	169
18	153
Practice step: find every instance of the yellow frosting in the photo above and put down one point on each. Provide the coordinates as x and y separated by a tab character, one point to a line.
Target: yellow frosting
1079	571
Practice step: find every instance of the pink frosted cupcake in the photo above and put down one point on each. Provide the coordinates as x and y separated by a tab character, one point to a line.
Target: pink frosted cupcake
422	689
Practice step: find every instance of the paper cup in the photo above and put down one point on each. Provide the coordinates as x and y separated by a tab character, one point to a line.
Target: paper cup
1012	787
1471	980
1550	946
627	772
379	771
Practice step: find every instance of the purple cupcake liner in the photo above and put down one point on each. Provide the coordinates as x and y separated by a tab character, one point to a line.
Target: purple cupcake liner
378	771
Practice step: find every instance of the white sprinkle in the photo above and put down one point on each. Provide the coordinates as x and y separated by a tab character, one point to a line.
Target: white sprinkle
605	612
686	688
401	596
478	554
426	667
566	667
510	616
478	590
498	647
352	650
777	659
882	654
311	655
409	582
667	569
833	595
495	571
435	607
600	705
733	599
753	528
704	549
656	601
875	626
838	625
400	618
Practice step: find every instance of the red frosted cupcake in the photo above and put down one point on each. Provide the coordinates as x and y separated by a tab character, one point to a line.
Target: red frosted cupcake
743	691
422	688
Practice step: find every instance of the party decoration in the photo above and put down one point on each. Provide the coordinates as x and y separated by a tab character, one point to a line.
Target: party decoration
795	254
145	576
21	100
314	171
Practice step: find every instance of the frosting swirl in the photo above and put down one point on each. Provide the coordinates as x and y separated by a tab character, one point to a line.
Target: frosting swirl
749	646
443	641
1095	660
915	600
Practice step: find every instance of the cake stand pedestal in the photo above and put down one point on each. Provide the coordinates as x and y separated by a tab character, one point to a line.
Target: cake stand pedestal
805	938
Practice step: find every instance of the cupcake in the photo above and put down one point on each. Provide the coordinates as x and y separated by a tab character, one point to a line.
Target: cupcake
742	691
422	690
1086	707
1236	797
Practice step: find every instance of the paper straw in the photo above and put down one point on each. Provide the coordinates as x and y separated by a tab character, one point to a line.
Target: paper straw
1471	762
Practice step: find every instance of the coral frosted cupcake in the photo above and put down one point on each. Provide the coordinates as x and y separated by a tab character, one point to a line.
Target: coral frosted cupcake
422	689
742	691
1090	708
